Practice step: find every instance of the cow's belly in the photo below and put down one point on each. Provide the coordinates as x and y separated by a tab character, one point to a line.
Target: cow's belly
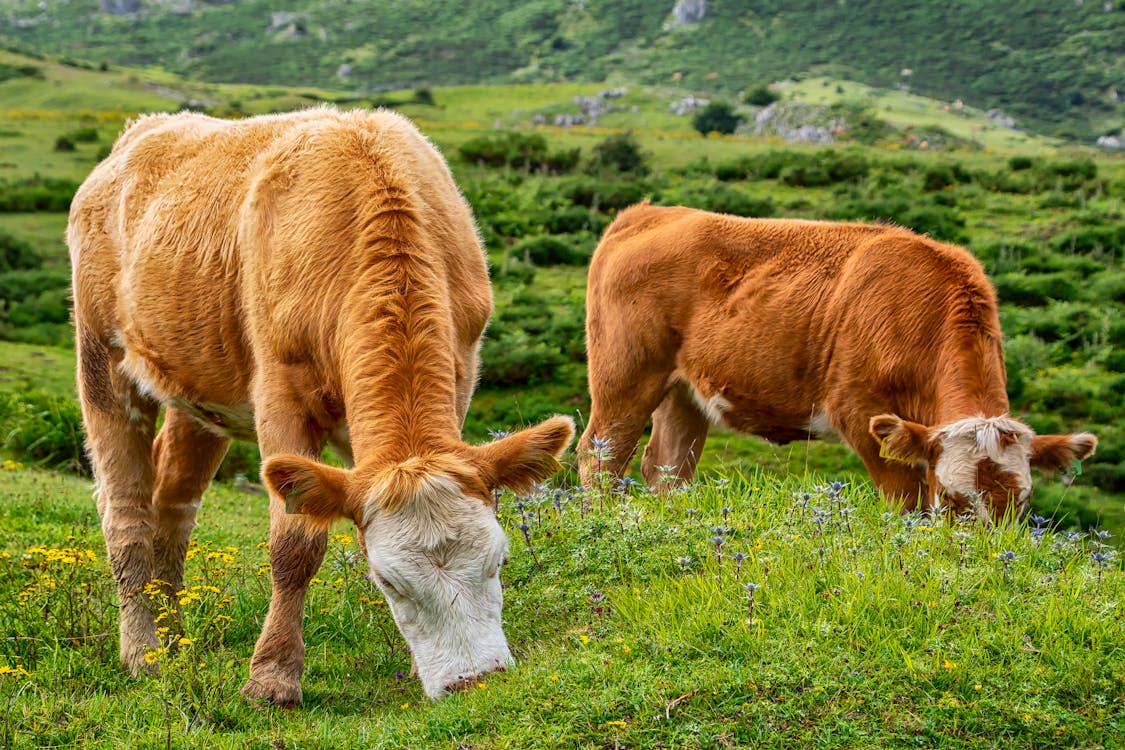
781	419
213	392
230	420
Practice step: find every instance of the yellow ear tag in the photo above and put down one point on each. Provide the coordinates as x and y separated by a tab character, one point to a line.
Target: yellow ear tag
292	502
885	451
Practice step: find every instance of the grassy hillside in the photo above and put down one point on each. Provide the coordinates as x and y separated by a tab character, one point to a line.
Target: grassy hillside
631	619
1056	67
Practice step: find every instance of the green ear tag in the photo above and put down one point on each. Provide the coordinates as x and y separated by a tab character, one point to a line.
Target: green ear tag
292	502
1077	468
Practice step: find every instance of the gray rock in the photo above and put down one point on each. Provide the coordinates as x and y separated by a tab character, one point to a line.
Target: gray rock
687	12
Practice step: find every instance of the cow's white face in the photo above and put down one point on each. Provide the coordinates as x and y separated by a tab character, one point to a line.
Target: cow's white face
983	466
437	560
979	465
431	536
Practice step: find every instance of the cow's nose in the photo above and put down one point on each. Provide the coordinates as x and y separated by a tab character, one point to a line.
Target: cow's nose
464	683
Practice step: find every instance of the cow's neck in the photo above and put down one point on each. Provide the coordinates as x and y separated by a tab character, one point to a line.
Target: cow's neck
397	362
971	379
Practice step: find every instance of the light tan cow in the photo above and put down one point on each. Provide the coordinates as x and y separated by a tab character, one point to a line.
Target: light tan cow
794	329
298	279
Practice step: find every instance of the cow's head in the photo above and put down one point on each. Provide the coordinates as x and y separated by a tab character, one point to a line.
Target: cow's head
979	465
433	543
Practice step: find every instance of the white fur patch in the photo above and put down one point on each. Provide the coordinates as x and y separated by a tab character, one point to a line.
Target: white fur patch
820	426
713	407
437	559
967	442
229	420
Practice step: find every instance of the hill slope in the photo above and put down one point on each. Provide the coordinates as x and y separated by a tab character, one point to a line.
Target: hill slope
1053	66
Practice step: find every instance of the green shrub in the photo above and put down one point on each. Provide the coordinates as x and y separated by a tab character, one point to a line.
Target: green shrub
17	286
512	358
554	250
1106	241
64	143
83	135
513	272
722	198
621	154
36	194
16	254
760	96
716	117
942	176
602	194
1019	163
1035	290
571	219
526	151
1108	286
43	428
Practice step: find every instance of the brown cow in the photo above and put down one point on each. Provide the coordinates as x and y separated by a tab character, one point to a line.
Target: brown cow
790	329
304	279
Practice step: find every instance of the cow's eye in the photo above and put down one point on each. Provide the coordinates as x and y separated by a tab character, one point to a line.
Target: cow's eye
386	585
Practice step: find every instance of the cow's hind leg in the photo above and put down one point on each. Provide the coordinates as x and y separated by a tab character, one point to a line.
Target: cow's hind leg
186	455
295	556
679	430
120	423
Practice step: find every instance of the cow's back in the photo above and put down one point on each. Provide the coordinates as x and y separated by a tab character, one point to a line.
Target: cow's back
781	316
197	237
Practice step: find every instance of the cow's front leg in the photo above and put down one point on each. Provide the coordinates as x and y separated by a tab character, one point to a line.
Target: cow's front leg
284	426
279	656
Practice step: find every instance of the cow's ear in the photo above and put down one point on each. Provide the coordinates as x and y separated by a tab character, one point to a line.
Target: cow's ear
316	491
900	440
1061	452
518	461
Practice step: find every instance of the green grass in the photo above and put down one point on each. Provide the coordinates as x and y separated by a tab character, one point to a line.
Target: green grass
45	368
869	629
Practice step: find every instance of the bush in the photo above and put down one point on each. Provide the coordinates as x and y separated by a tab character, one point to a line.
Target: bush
722	198
43	428
36	194
1019	163
760	96
573	219
603	195
64	143
511	358
548	250
620	153
16	254
17	286
83	135
1108	241
526	151
716	117
1035	290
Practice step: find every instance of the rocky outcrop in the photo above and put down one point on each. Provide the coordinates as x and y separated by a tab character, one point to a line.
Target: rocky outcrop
1113	142
1001	119
688	105
687	12
798	123
119	7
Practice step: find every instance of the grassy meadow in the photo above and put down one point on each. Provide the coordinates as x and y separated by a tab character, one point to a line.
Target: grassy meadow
749	611
763	606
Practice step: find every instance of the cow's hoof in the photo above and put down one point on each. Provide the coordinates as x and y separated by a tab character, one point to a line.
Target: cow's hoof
281	693
138	661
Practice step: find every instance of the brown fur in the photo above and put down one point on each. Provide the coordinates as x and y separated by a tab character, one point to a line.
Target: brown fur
299	268
783	326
